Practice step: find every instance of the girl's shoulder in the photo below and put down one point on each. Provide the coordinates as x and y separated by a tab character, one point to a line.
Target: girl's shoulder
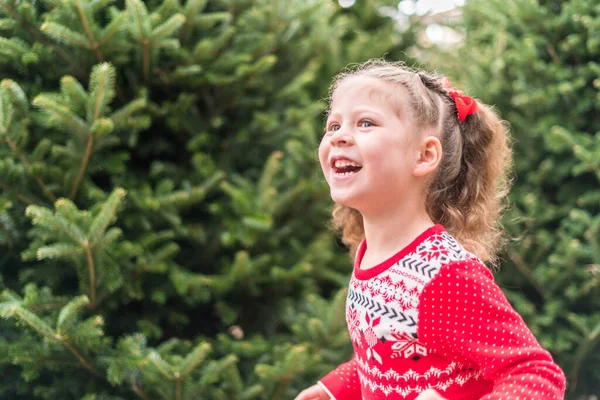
453	260
445	249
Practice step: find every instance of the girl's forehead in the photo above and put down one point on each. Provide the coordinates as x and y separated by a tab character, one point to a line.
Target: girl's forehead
371	89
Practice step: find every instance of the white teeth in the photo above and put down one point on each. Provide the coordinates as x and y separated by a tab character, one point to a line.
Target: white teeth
345	163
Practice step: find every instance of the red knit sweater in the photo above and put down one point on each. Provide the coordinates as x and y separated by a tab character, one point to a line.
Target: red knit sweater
432	317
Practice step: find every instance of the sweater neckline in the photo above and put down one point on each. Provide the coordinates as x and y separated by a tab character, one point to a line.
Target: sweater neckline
364	274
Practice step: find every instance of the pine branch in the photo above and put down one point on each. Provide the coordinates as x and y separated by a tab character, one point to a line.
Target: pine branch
139	14
57	250
13	46
65	35
168	27
44	217
178	388
518	262
48	306
68	120
43	361
191	8
73	91
137	390
290	372
121	116
69	311
146	63
82	360
94	46
105	216
193	359
212	372
37	178
101	86
15	308
32	320
36	32
112	28
585	348
83	166
17	94
264	187
141	31
19	196
92	273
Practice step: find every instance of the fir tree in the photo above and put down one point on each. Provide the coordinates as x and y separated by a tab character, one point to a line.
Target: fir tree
538	63
163	220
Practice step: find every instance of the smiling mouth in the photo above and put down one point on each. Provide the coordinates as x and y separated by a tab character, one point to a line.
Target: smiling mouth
346	171
346	168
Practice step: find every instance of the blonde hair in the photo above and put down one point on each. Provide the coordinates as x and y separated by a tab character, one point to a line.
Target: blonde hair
467	192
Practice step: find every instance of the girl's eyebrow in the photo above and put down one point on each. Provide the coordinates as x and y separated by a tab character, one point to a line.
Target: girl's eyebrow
364	110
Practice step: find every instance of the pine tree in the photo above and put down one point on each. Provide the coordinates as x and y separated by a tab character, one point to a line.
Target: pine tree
537	62
163	221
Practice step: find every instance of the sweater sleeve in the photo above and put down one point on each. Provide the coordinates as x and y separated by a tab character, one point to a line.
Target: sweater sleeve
464	316
342	383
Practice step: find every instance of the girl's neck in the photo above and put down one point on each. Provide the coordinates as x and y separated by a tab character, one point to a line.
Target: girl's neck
390	231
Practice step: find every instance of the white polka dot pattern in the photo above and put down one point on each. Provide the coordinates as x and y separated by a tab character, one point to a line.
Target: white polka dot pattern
343	382
464	316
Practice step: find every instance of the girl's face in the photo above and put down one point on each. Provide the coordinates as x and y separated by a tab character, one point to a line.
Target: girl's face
369	149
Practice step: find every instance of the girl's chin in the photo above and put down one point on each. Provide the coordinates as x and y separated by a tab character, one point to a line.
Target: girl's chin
345	199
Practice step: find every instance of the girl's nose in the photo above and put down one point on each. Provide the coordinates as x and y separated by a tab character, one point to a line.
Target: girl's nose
341	137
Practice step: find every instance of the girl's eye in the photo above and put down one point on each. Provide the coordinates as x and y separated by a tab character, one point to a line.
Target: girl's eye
333	127
365	123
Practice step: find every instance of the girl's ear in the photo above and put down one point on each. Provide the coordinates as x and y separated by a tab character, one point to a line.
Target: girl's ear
429	156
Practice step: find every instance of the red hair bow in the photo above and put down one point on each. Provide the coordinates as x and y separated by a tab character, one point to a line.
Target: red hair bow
464	104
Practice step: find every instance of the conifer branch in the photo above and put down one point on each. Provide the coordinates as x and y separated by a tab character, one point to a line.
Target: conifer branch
92	273
178	387
35	32
83	166
146	59
112	28
65	119
104	217
94	45
47	306
73	90
80	358
42	361
585	348
19	196
140	19
526	272
288	374
23	315
137	390
13	146
160	365
64	34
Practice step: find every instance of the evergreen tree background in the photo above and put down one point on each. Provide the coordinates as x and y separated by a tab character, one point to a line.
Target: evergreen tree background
164	224
162	211
538	63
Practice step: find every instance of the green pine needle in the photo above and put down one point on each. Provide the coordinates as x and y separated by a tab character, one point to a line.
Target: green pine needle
65	35
65	119
69	312
106	215
101	90
168	27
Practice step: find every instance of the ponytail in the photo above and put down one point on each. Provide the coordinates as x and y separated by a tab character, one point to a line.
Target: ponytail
468	192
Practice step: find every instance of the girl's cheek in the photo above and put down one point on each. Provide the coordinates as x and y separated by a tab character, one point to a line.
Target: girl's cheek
324	155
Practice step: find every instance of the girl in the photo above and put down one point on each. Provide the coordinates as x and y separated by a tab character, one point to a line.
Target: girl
419	172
